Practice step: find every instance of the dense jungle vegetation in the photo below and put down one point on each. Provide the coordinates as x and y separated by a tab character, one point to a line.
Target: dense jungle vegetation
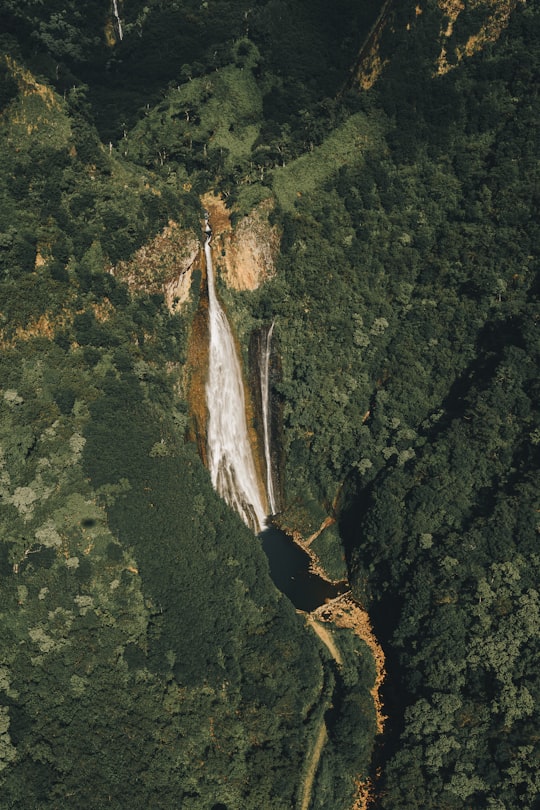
146	658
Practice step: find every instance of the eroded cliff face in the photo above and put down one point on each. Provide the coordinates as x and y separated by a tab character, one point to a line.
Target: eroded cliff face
492	16
244	255
164	265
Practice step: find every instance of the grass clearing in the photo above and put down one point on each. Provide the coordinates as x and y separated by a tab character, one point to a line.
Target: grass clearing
346	145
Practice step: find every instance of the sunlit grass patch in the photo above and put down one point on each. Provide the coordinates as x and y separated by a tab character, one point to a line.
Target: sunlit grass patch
346	145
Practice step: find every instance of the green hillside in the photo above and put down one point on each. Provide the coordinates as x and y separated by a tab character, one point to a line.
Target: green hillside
147	659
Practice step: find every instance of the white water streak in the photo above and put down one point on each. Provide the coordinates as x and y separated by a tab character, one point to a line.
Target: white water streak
118	22
230	458
266	411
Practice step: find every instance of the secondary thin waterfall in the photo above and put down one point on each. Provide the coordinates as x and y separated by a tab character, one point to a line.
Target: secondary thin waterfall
265	405
230	458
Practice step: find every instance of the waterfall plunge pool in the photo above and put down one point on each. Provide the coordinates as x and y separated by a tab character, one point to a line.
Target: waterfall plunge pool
289	569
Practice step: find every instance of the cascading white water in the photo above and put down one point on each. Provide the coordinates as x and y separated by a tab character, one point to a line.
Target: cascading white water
230	458
265	404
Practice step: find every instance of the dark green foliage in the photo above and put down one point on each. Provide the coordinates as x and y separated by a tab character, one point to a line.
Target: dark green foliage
8	86
132	596
445	544
146	659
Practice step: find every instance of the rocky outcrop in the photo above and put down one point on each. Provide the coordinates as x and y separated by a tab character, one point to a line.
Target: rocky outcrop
496	14
244	255
176	291
164	265
493	19
275	405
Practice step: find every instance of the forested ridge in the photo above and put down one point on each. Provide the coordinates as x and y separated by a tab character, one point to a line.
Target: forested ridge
147	659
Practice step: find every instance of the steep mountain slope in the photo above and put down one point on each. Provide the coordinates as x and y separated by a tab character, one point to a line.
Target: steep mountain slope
148	660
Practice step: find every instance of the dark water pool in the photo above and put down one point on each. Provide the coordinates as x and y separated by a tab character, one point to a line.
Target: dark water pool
289	569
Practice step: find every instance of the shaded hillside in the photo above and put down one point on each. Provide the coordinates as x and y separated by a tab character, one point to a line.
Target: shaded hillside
147	656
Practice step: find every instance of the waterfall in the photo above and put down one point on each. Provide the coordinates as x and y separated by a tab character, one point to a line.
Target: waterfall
118	21
266	412
230	458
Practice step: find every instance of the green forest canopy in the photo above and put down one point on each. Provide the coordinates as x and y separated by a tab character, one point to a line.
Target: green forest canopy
146	655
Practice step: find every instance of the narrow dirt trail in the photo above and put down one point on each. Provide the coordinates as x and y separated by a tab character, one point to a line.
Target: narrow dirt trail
345	612
313	765
326	637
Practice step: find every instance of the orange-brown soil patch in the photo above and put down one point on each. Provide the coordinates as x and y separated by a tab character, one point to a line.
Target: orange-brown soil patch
497	15
365	796
244	255
346	612
45	326
102	310
29	85
195	376
369	63
165	265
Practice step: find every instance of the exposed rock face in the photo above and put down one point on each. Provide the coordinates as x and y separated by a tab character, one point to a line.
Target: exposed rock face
244	256
275	409
177	290
369	62
195	375
163	265
496	16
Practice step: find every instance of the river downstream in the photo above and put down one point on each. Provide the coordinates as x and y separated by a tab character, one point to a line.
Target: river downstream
235	476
